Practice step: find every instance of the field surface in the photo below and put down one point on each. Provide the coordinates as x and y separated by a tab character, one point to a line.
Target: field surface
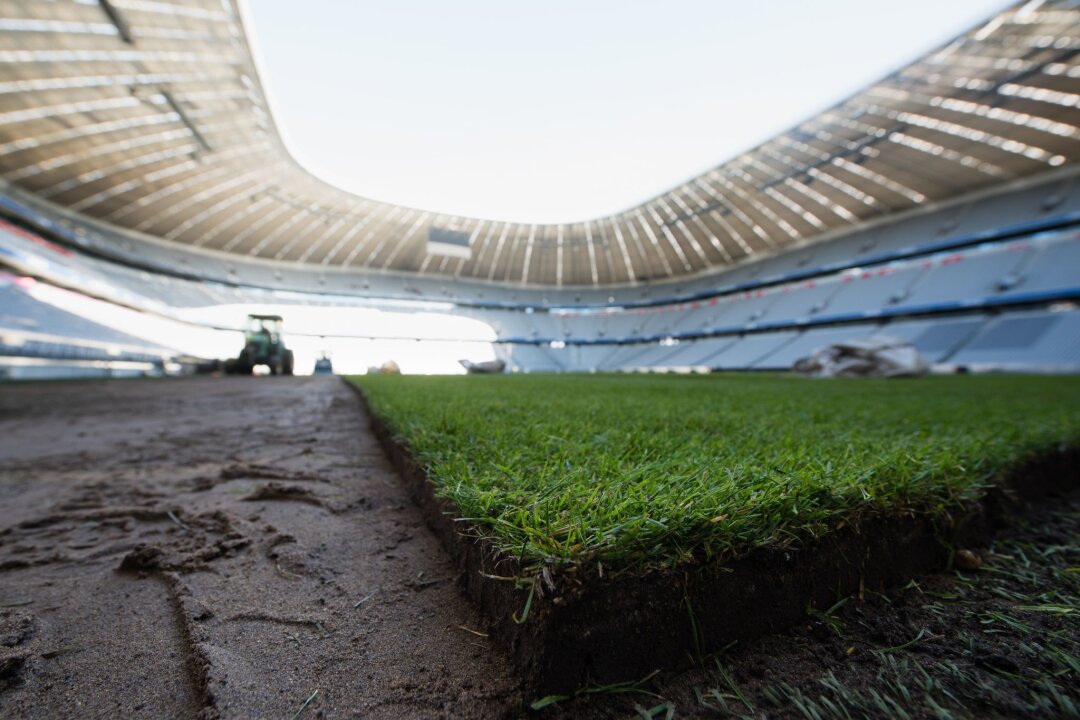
222	548
635	471
241	548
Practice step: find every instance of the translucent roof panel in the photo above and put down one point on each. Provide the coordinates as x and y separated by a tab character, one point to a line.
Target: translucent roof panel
150	116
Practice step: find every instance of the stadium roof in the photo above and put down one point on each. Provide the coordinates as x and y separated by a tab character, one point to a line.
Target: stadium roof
150	115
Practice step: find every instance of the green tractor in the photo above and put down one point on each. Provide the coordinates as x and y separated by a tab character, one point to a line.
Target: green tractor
263	345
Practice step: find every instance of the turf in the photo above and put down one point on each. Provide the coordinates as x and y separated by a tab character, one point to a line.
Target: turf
633	471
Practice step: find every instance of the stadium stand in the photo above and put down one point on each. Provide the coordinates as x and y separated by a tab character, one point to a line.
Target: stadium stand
40	340
915	289
1019	341
937	339
940	205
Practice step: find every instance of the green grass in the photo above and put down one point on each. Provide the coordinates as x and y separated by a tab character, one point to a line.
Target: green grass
661	470
1021	580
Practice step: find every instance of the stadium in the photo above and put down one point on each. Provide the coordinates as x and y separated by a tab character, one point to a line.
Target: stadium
634	505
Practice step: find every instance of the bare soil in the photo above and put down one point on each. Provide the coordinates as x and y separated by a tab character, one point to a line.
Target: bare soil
222	548
228	547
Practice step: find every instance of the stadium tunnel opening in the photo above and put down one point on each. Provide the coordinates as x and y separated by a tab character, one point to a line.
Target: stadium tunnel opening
355	338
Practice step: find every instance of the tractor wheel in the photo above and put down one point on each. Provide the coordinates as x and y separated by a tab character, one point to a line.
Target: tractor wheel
237	366
287	363
244	365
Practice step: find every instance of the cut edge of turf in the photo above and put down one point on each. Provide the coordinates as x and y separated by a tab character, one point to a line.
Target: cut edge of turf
574	626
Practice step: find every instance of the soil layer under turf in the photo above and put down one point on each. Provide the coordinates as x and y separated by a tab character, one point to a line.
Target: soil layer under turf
1001	641
608	526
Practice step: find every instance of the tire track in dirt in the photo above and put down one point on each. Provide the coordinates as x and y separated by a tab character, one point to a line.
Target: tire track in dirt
222	548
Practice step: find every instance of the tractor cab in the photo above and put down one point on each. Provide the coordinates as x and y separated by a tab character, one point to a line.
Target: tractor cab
262	331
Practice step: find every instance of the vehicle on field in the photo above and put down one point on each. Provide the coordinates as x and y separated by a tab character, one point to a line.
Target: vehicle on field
323	366
263	345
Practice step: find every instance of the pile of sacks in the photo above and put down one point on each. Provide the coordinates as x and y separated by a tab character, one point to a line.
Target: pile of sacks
873	356
491	367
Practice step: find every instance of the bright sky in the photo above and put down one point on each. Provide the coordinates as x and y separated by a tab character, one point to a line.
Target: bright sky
565	110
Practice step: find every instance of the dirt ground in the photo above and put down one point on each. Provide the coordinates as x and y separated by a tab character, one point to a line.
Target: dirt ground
240	548
222	547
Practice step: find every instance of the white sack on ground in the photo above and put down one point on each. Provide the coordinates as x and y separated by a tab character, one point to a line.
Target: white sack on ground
487	366
873	356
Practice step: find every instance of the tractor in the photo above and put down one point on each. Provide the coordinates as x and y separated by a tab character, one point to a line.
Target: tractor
263	345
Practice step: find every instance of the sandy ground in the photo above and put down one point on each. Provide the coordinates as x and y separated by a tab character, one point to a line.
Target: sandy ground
222	547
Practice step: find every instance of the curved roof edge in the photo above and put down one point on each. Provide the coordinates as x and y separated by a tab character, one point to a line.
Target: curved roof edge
156	122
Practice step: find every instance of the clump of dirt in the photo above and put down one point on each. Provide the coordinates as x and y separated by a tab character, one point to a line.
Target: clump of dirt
16	628
258	471
186	557
143	558
280	491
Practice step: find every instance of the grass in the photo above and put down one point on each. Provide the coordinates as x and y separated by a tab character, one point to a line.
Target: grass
858	663
1029	670
626	471
304	706
628	686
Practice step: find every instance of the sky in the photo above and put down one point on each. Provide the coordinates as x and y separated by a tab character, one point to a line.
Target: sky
564	110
